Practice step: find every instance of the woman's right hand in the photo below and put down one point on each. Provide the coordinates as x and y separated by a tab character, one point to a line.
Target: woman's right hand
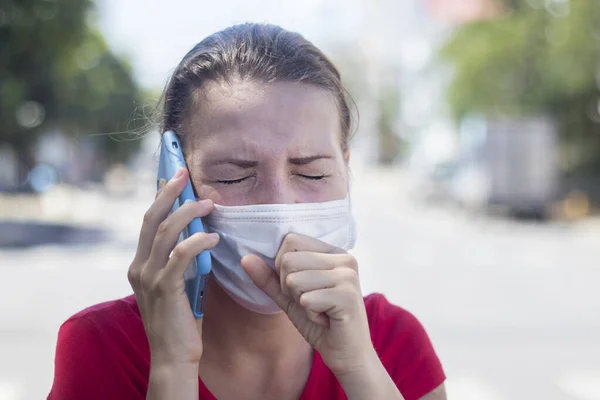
174	334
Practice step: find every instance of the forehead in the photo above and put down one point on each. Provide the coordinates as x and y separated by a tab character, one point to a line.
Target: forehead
254	119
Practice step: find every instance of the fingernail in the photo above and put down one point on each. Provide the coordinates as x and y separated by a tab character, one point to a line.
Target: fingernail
162	183
206	202
213	236
178	174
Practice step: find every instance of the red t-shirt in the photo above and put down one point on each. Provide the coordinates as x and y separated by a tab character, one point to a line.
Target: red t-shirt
103	353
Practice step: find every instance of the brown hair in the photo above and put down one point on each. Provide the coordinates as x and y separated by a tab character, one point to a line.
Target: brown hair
265	53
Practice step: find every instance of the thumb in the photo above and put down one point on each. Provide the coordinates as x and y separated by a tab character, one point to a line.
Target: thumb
265	278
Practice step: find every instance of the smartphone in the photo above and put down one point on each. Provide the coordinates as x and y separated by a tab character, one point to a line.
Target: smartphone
196	275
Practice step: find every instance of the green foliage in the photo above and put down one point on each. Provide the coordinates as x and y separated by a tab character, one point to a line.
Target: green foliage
540	57
51	55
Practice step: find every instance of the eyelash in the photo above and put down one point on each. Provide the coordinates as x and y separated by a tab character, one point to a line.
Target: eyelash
233	181
310	177
313	177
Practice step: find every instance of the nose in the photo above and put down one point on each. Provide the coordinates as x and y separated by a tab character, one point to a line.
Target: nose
278	191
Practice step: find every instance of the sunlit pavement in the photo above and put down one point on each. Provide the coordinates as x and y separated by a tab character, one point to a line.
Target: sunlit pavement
513	309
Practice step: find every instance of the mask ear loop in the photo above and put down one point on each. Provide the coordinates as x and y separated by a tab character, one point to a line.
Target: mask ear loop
352	236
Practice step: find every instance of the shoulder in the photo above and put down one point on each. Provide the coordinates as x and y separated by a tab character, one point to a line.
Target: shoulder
404	347
388	321
112	322
120	311
91	342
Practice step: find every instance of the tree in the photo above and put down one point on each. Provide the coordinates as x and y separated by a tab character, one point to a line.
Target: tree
540	57
57	73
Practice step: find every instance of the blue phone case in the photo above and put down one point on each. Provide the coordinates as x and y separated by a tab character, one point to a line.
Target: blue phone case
196	275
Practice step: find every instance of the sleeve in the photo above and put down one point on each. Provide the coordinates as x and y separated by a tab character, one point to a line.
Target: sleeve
406	351
87	367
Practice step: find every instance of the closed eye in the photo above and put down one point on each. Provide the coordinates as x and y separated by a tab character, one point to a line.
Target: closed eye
313	177
233	181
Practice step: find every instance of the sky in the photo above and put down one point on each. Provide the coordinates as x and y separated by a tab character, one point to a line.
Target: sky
156	34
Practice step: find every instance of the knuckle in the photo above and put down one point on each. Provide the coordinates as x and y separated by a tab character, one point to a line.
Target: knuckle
133	276
163	228
345	276
291	241
350	275
181	251
290	280
149	216
200	237
304	299
287	263
351	262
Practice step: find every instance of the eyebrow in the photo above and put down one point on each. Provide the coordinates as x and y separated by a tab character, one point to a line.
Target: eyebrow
309	159
239	162
243	163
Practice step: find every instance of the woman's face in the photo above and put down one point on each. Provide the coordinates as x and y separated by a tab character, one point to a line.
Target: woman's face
249	143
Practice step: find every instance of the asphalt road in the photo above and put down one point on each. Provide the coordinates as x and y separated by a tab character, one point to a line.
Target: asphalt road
513	309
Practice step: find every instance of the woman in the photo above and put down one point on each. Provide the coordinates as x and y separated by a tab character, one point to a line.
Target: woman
265	128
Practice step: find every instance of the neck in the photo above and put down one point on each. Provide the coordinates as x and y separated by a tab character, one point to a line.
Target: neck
232	334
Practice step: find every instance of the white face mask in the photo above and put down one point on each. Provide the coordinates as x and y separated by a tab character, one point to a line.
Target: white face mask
260	229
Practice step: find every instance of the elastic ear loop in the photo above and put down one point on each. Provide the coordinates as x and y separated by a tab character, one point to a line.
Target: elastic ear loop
352	236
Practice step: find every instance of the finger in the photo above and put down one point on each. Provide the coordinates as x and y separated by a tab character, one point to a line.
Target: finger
184	253
301	282
303	260
158	211
265	279
170	229
335	302
294	242
318	318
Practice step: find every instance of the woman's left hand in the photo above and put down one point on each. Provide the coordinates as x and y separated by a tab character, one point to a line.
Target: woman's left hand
317	286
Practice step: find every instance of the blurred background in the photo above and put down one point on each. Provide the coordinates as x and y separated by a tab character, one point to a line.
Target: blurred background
476	170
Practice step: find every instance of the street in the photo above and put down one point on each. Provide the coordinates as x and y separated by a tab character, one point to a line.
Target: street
512	308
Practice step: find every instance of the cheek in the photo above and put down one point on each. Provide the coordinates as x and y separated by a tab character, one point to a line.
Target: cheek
205	191
340	188
232	195
334	188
